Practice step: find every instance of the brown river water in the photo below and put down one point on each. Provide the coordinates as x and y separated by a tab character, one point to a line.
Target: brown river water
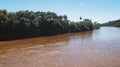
98	48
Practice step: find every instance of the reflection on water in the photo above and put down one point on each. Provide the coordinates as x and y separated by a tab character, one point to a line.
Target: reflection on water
98	48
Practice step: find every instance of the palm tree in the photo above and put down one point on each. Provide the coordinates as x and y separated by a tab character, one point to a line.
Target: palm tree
80	18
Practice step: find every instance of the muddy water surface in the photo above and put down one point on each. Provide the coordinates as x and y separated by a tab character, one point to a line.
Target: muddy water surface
98	48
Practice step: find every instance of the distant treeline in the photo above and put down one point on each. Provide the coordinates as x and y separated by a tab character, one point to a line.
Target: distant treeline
115	23
24	24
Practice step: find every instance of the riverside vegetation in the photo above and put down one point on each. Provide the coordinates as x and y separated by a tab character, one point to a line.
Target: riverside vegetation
115	23
25	24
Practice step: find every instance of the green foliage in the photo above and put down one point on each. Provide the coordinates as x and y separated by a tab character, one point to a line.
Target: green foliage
96	25
28	23
115	23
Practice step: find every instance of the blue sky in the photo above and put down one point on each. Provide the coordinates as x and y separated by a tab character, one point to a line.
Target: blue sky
97	10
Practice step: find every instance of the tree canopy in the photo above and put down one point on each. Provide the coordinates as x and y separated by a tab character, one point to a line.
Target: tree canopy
115	23
28	23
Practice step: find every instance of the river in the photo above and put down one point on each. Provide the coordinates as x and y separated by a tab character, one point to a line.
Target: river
98	48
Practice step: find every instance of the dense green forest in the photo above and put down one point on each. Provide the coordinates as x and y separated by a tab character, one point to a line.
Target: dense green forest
23	24
115	23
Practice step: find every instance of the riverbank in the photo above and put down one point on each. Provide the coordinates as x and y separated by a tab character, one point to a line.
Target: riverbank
27	24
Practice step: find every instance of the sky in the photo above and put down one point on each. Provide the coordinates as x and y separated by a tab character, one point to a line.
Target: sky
98	10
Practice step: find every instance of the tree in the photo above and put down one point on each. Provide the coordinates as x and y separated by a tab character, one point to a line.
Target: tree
65	17
115	23
80	18
28	24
